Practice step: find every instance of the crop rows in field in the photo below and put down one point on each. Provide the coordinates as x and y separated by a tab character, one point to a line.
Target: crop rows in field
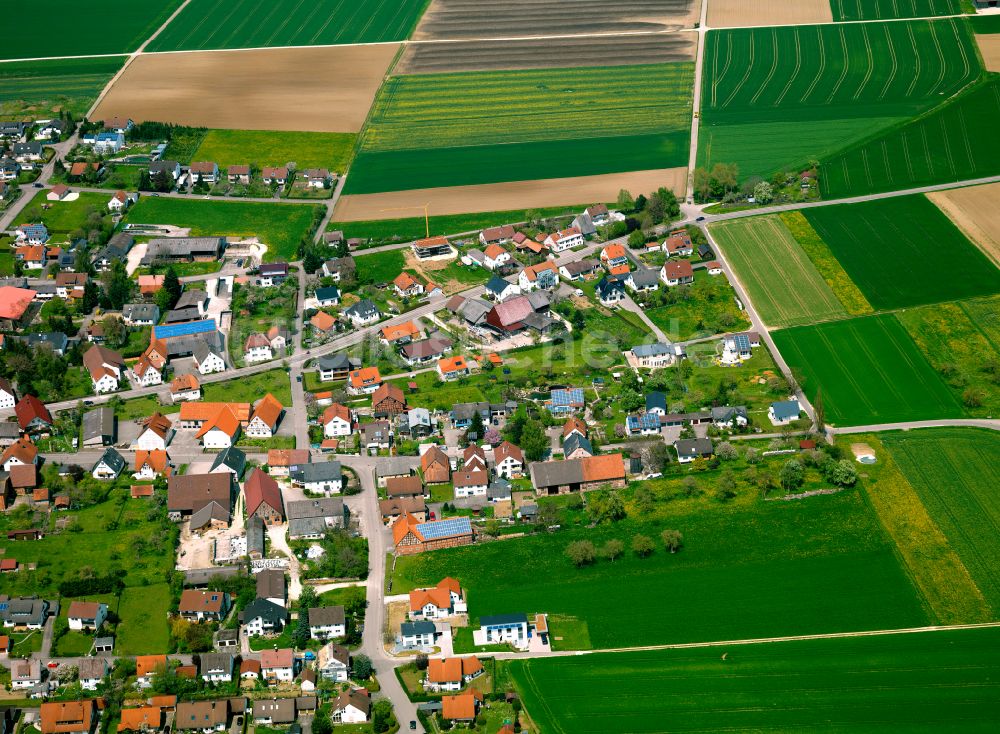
221	24
887	9
47	86
954	142
790	568
904	251
783	283
855	67
446	110
956	474
547	53
917	682
457	19
867	371
72	28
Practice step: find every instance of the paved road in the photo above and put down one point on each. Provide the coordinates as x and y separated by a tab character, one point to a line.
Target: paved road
991	423
699	64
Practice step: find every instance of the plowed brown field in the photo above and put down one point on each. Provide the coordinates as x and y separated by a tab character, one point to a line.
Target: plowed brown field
507	196
989	47
301	89
740	13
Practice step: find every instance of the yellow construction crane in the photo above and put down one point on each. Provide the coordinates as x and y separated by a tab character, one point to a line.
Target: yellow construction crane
425	208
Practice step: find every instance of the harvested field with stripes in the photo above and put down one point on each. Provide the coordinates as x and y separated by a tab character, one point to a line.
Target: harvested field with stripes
533	53
867	370
775	98
974	210
783	283
457	19
739	13
887	9
989	47
260	90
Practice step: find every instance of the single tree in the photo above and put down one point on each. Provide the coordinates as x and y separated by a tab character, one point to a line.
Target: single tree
672	539
792	475
534	442
612	549
625	201
581	552
642	545
843	473
361	667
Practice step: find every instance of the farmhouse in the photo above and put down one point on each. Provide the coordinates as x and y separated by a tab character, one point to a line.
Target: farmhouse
578	475
412	536
184	249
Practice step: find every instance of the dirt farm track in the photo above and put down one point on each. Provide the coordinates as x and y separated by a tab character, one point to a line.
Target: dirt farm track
738	13
299	89
506	196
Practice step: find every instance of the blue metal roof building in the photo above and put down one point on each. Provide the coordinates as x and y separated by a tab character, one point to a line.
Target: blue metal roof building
190	328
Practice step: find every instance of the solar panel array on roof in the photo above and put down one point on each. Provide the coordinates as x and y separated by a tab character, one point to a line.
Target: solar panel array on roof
445	528
742	342
192	327
572	396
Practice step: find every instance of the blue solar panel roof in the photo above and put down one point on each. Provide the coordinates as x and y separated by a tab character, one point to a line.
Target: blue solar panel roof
192	327
445	528
742	342
572	396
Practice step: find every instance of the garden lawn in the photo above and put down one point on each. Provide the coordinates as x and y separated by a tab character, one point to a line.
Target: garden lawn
785	286
139	408
250	388
46	87
559	123
916	682
789	568
70	28
777	98
904	251
709	308
212	24
269	148
63	217
412	228
143	629
382	267
867	371
280	226
956	473
954	142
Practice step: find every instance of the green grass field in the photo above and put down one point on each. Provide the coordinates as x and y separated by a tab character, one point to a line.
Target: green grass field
936	681
251	388
787	567
269	148
45	87
985	24
69	28
868	371
887	9
143	611
711	309
955	472
63	217
211	24
379	267
558	123
954	142
783	283
779	97
280	226
904	251
411	228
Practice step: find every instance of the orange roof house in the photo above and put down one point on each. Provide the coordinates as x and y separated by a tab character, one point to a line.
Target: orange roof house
263	497
461	707
400	331
67	717
150	284
452	366
225	420
23	449
184	383
156	460
268	411
14	302
365	379
199	411
574	424
323	321
453	670
143	718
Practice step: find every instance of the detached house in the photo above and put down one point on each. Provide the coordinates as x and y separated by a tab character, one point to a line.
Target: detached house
327	622
542	276
337	421
220	431
509	460
564	239
278	666
257	348
264	419
677	273
363	313
435	466
155	434
407	286
496	235
452	368
216	667
272	175
440	602
109	466
263	617
495	257
452	674
364	381
86	615
471	483
351	707
333	662
105	367
610	290
197	605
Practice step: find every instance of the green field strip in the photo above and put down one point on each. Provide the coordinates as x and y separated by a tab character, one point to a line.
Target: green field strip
954	142
949	590
272	148
399	170
956	472
868	370
789	567
783	283
985	24
219	24
70	28
45	87
852	299
933	681
904	251
891	9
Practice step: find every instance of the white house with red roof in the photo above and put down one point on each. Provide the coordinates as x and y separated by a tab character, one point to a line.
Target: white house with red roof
564	239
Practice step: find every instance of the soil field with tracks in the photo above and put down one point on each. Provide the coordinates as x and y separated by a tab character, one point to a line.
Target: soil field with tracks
456	19
738	13
302	89
533	53
974	211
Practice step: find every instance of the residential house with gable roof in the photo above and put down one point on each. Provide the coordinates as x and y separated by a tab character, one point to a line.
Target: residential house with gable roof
263	498
265	417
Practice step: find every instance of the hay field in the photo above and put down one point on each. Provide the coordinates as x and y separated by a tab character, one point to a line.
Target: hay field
303	89
904	252
974	210
868	370
450	200
739	13
533	53
954	142
989	47
937	681
785	286
217	24
457	19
